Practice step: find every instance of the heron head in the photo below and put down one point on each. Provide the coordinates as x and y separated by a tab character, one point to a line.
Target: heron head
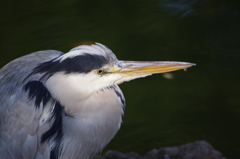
87	69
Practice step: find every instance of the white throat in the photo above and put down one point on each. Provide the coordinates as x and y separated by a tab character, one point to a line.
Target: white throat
72	89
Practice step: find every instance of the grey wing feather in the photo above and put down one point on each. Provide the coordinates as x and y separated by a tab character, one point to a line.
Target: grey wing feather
19	118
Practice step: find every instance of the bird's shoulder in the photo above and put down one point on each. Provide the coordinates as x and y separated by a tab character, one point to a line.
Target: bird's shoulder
22	97
24	65
15	74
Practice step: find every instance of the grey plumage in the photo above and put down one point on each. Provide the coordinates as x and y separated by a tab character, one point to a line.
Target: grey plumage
19	118
22	125
65	106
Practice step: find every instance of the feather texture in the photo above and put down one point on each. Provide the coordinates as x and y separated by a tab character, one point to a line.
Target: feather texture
19	118
45	115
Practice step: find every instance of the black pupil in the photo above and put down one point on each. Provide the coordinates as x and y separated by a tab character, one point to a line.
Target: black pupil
100	71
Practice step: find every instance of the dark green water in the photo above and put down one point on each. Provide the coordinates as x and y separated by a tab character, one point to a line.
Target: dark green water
202	103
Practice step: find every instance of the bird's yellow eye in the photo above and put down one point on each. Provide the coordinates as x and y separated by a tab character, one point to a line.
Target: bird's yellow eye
101	71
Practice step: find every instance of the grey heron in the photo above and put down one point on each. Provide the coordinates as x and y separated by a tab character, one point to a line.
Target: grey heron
66	106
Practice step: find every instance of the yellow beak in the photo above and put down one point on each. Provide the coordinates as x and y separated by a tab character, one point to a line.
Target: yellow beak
142	68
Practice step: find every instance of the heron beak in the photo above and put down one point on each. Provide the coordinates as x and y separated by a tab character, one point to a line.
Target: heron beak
145	68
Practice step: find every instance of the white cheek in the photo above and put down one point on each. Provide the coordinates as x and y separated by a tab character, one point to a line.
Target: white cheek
68	88
74	88
108	80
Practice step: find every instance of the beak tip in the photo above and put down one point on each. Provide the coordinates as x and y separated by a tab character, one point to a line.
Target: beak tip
192	64
188	64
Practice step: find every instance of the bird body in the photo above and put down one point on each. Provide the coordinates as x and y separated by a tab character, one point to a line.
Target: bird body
65	106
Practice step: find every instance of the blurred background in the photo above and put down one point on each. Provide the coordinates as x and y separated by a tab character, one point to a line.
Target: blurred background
163	110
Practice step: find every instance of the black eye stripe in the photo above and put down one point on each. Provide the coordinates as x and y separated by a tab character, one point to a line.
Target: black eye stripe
79	64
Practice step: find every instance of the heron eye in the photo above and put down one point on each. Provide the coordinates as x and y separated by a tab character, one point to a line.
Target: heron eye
101	71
